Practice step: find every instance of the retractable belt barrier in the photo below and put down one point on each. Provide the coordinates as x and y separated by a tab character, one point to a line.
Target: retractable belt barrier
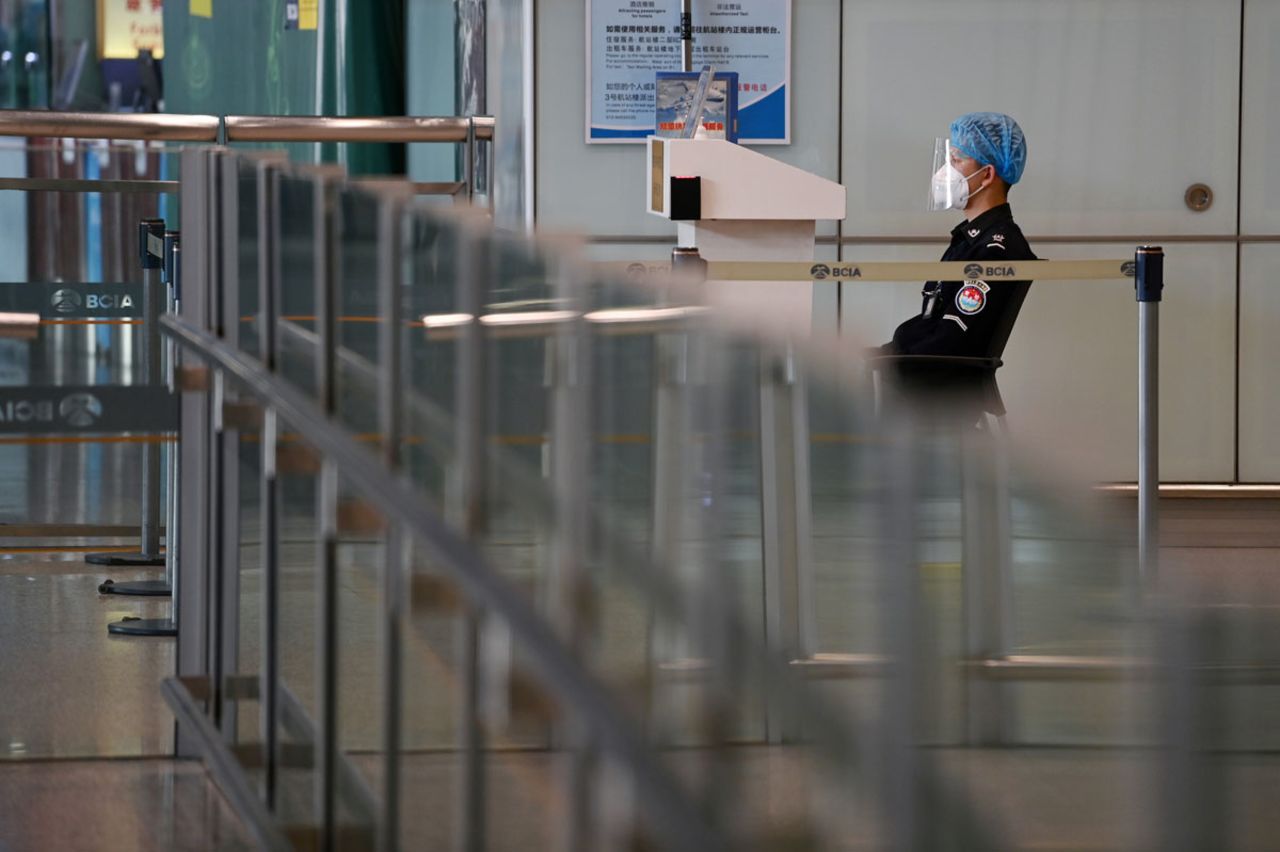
1146	268
1027	270
158	255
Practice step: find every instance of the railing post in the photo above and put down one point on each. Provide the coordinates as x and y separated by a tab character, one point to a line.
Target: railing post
328	260
192	597
472	442
986	581
395	587
572	601
269	274
787	528
1148	287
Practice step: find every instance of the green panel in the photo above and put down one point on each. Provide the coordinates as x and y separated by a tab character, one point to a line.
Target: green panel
375	82
242	61
239	61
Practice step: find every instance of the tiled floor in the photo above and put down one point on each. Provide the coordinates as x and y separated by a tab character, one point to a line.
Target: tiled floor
70	689
114	806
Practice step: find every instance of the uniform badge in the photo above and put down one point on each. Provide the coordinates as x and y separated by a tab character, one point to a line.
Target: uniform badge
972	298
998	237
973	232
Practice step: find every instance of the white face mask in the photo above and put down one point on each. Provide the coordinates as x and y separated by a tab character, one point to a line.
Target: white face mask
951	189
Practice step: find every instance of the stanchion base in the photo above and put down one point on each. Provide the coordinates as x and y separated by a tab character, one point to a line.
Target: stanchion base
136	558
139	588
143	627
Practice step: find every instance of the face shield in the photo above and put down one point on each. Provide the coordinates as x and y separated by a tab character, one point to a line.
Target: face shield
950	189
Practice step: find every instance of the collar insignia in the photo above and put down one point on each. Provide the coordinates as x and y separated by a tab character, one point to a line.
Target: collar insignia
973	232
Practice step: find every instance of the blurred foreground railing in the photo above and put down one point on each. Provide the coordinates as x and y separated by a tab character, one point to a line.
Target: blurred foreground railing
457	507
466	131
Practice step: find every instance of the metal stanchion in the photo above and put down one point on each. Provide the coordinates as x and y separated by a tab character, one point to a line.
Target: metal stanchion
686	35
159	626
1148	286
472	396
151	255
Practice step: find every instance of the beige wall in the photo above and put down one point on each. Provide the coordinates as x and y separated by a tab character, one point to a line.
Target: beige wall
1125	104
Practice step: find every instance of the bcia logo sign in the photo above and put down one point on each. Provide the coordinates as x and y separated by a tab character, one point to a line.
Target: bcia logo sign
820	271
80	409
977	270
66	301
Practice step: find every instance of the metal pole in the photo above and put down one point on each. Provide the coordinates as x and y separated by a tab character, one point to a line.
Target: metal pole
171	457
269	275
167	586
172	526
327	658
572	378
188	537
787	528
986	582
325	227
151	254
269	690
225	482
1148	286
686	34
469	160
390	284
152	300
472	392
905	820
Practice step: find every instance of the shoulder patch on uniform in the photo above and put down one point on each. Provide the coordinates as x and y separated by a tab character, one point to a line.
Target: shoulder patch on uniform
972	298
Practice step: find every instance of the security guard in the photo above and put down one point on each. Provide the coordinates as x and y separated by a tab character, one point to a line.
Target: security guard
974	169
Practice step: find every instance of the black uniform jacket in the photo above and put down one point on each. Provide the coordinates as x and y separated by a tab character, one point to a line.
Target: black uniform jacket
967	317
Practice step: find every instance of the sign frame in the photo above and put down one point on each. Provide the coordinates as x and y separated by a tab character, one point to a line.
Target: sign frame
638	134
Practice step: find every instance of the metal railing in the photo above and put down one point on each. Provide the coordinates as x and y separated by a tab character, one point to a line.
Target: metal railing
341	374
232	129
240	359
168	127
339	338
93	125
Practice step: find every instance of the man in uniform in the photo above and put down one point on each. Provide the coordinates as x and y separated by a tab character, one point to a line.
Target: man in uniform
975	168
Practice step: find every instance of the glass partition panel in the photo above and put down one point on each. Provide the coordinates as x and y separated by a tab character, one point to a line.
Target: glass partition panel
435	265
298	613
297	332
356	304
244	276
245	492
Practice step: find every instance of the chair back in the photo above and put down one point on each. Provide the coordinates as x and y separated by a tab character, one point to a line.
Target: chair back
1005	327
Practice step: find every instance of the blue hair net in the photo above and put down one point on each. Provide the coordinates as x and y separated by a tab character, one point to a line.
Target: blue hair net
993	139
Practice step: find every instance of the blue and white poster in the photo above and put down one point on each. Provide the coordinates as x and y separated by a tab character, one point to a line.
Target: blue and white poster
628	41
